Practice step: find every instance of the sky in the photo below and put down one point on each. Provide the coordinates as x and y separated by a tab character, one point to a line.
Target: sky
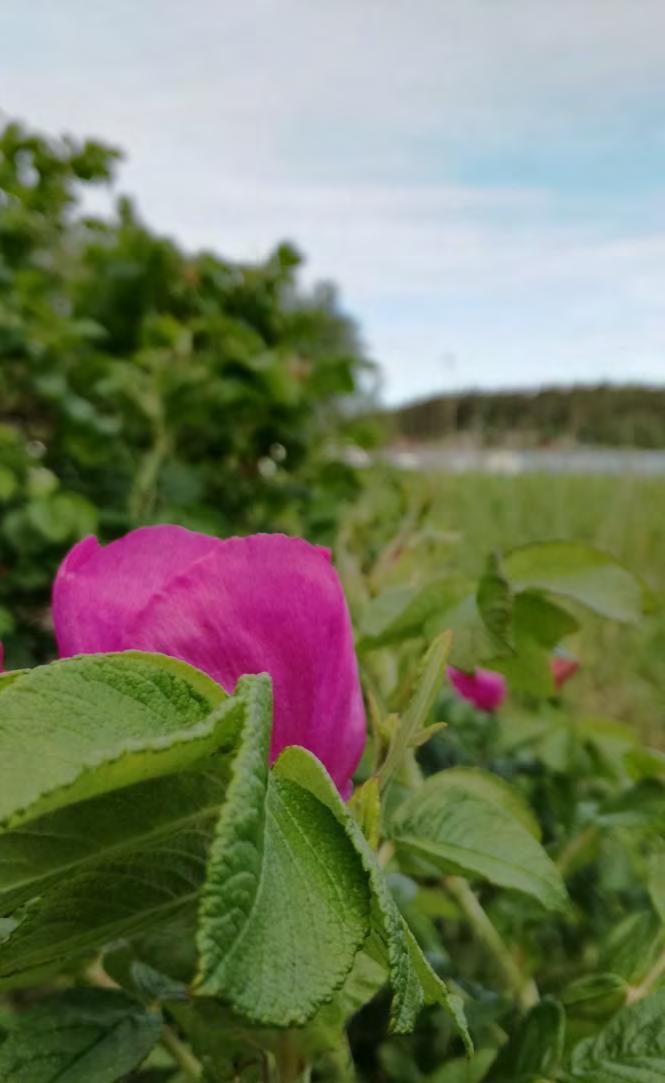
483	179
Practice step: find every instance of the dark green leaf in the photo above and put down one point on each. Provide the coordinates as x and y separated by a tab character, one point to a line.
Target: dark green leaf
536	1048
629	1049
80	1036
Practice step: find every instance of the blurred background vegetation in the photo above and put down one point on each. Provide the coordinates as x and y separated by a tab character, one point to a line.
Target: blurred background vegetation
140	383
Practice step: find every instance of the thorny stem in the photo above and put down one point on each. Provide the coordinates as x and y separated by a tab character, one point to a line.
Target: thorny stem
525	989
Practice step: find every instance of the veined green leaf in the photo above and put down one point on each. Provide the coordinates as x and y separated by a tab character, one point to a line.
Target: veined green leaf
77	1037
285	906
87	725
413	981
454	824
105	868
629	1049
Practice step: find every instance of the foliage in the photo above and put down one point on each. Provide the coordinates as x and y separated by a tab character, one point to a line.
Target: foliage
140	383
463	517
606	415
489	906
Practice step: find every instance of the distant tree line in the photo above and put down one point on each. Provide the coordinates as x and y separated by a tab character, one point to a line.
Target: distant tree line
628	416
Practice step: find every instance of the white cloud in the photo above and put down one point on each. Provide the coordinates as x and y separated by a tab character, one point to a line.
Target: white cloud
345	125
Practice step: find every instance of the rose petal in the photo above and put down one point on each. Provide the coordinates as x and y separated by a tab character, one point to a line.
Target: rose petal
99	590
485	689
266	603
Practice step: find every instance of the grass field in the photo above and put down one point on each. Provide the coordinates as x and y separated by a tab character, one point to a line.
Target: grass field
623	668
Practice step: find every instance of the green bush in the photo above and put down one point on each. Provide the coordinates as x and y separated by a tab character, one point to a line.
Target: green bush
141	383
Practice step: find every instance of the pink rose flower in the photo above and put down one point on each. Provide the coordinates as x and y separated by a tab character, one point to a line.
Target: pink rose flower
267	603
485	689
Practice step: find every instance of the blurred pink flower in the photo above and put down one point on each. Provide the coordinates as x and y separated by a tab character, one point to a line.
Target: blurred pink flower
562	669
485	689
267	603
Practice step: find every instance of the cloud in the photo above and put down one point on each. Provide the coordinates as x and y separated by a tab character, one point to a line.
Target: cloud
481	176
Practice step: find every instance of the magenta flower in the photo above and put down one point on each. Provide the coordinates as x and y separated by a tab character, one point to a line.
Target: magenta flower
485	689
267	603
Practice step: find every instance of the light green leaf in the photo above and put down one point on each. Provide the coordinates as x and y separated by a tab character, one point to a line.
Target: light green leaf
629	1049
84	726
401	613
285	905
77	1037
464	825
493	789
392	944
596	996
411	724
472	642
539	618
573	570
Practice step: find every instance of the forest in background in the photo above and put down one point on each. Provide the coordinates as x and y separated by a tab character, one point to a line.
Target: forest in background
606	415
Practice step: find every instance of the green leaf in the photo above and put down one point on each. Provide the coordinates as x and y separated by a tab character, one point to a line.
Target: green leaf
641	807
596	995
536	1048
84	726
629	1049
573	570
411	724
495	603
463	824
392	944
109	867
633	946
472	642
495	790
656	882
77	1037
536	616
401	613
285	905
465	1070
538	625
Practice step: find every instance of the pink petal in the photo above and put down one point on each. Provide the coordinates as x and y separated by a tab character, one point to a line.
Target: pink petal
485	689
241	605
562	669
98	591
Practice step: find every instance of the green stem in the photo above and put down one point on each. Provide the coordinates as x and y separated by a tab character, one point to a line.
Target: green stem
637	992
291	1066
524	988
183	1057
575	847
